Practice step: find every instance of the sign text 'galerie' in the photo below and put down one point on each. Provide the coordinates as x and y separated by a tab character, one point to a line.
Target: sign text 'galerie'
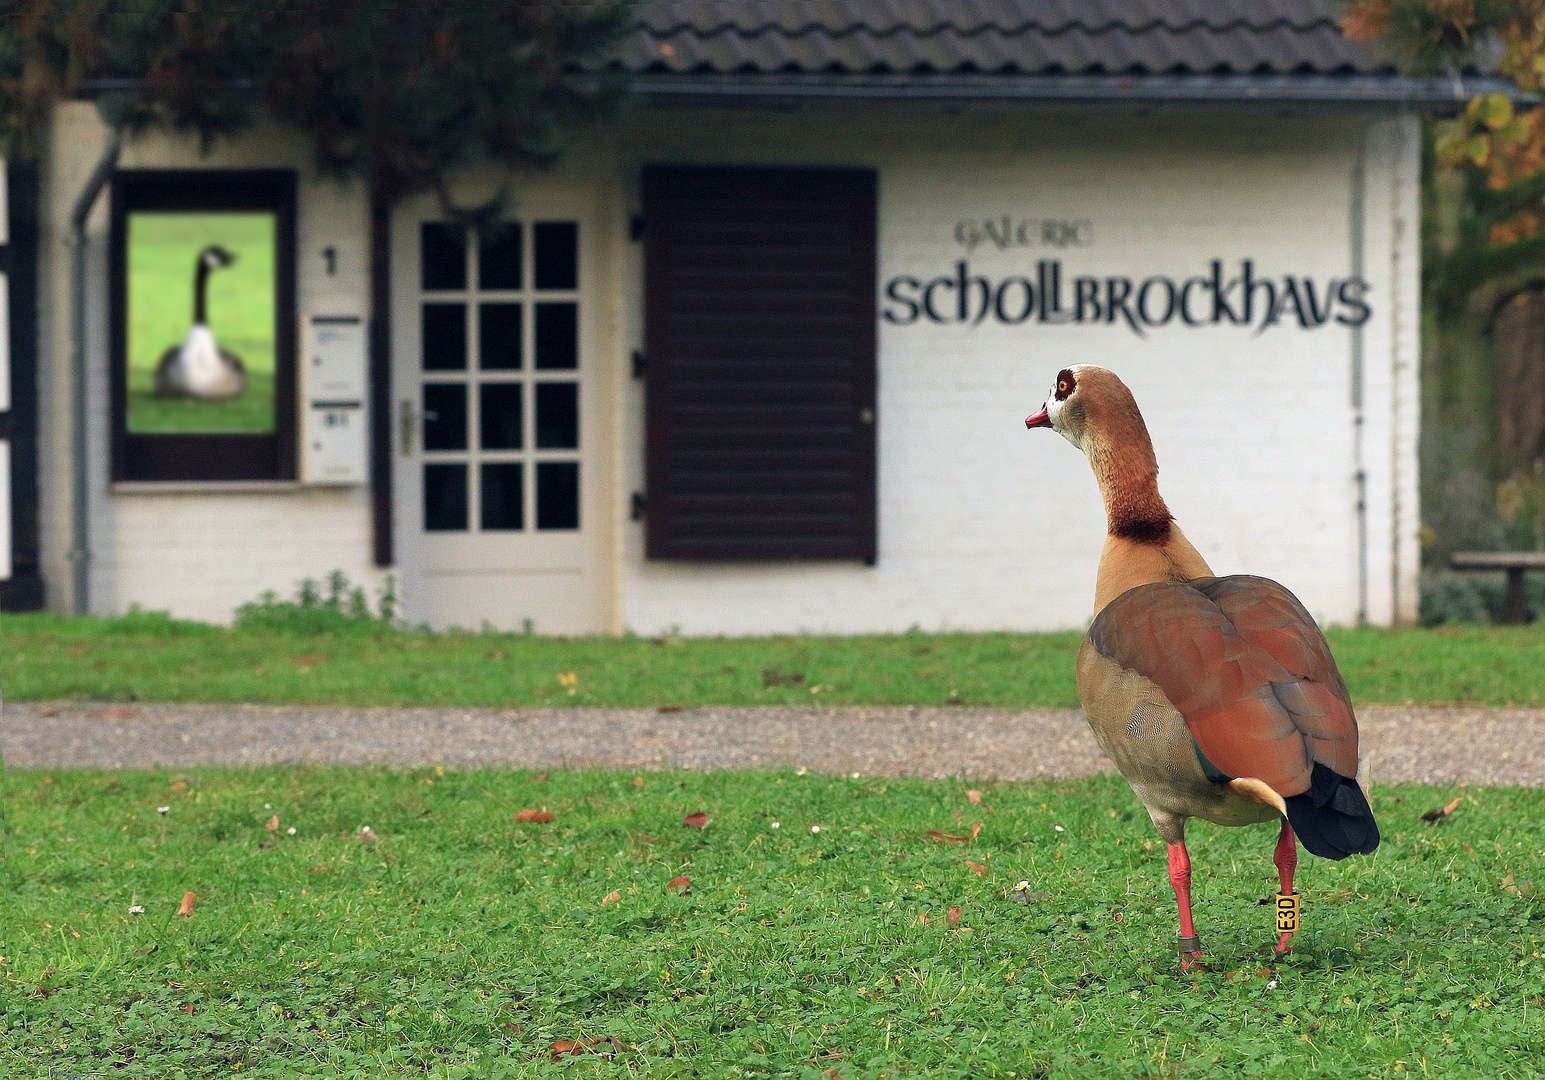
1211	299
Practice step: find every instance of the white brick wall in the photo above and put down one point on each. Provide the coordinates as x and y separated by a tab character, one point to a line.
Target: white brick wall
983	525
196	554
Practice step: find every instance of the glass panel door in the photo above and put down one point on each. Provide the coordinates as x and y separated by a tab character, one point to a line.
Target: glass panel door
492	427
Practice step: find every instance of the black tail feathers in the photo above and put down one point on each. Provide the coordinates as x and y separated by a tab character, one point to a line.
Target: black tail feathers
1333	818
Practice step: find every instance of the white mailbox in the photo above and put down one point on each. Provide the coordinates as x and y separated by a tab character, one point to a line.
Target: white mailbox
333	437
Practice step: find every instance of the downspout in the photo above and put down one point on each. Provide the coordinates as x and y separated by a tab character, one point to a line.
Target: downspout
80	547
1356	216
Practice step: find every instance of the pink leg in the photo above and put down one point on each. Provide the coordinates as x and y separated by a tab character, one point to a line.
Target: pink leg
1180	878
1286	858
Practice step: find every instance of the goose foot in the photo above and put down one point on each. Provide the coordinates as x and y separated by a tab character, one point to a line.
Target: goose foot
1284	943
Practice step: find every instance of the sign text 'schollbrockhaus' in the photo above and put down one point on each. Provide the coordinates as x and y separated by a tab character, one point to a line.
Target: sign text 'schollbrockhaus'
1216	298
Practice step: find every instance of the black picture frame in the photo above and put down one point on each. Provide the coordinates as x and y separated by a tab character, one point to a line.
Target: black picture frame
205	456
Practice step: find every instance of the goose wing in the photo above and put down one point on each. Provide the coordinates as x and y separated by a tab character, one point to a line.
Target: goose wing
1247	668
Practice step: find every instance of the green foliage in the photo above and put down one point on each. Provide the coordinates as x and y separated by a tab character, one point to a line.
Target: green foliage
457	943
400	93
344	607
321	649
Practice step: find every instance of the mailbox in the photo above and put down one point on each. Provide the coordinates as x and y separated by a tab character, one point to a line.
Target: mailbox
333	437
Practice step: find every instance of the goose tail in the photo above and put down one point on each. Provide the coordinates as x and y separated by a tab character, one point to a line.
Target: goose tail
1333	818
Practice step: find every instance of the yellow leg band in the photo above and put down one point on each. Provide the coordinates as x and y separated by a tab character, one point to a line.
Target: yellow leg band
1287	913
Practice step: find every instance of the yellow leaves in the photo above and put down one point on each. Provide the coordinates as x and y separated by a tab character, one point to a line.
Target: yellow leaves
538	817
1495	111
976	868
679	884
567	678
613	897
272	824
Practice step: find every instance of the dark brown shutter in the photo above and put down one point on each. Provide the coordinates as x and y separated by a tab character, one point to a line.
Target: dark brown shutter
760	363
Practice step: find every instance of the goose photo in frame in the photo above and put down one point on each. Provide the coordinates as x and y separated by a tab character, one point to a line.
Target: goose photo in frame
201	321
203	325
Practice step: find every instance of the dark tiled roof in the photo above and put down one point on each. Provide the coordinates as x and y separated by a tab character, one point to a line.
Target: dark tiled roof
996	37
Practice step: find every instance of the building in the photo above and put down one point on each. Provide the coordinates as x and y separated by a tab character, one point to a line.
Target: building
757	359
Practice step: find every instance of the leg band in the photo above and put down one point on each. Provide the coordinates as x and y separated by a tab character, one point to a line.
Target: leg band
1190	944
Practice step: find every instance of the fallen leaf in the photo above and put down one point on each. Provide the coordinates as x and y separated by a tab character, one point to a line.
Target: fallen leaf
695	821
678	884
1441	813
976	867
76	650
179	785
113	714
613	897
539	778
1507	883
922	918
310	659
273	824
975	796
638	781
773	677
188	900
188	1008
518	1029
582	1046
935	834
671	708
953	918
1468	849
976	828
540	817
832	1074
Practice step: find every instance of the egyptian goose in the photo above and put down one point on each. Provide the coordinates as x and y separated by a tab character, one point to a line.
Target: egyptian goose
199	368
1216	697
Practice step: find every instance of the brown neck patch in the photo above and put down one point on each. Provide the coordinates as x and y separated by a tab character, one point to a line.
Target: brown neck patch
1143	530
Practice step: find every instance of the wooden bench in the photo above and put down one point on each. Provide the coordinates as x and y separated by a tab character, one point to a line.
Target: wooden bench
1517	563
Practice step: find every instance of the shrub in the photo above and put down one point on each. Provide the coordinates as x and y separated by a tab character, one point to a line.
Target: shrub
343	608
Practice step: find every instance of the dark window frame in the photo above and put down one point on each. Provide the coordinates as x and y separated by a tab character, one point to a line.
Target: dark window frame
205	456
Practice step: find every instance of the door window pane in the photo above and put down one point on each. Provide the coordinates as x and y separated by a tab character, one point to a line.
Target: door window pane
499	415
557	337
557	495
498	337
442	256
445	416
557	254
498	257
502	496
445	498
557	416
445	337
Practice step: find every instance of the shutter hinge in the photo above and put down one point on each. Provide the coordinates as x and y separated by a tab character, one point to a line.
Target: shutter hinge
638	506
639	363
636	227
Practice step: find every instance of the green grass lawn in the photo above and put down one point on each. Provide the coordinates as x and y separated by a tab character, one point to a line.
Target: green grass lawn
163	249
152	658
459	943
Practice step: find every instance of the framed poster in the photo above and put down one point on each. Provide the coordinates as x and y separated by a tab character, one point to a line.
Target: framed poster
203	325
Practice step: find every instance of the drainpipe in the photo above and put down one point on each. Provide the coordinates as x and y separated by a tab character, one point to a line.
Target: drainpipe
80	548
1356	216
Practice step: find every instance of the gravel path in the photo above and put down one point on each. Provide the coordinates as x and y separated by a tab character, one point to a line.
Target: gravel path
1431	744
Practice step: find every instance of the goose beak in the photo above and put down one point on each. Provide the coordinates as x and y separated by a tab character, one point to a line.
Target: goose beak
1040	419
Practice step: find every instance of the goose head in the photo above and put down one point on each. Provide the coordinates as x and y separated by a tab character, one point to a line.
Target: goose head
1093	409
214	256
1088	402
